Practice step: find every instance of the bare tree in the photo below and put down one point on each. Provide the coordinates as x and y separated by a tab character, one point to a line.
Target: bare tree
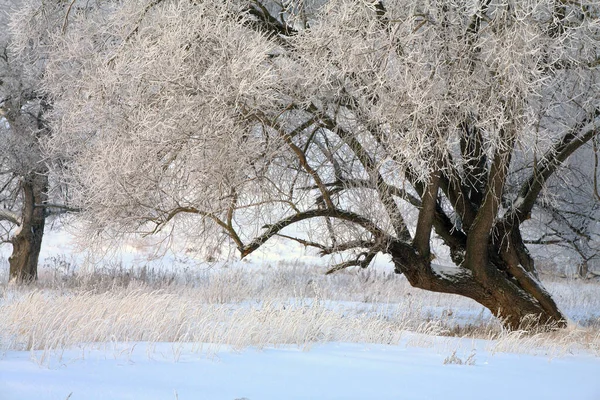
372	126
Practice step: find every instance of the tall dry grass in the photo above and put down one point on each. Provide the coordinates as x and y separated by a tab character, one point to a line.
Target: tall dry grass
288	304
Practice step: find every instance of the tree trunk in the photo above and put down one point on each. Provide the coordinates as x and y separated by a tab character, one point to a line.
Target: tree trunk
520	302
27	242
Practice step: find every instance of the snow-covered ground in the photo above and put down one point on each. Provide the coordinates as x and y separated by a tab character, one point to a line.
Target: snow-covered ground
325	371
418	366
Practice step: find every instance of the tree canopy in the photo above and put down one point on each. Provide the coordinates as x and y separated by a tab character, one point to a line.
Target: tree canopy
374	126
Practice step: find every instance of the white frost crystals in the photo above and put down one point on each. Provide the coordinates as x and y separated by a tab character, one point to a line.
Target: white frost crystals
156	100
236	120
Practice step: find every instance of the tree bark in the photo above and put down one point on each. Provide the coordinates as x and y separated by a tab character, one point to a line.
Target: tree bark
27	242
520	302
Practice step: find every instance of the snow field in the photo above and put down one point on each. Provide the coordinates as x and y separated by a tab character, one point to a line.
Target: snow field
252	331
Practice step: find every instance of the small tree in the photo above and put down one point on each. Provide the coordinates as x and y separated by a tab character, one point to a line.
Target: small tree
373	126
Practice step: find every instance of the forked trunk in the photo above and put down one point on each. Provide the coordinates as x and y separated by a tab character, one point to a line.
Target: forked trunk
27	242
519	302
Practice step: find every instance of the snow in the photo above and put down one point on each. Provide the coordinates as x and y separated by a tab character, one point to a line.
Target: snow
449	272
326	371
416	368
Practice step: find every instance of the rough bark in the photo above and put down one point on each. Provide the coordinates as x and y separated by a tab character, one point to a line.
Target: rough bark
518	302
27	242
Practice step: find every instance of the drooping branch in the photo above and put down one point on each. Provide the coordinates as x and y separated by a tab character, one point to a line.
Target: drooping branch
349	216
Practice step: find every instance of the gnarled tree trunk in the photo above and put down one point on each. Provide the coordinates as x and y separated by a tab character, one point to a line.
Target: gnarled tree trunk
509	290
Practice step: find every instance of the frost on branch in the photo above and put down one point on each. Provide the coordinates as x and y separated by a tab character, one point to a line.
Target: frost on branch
158	104
375	126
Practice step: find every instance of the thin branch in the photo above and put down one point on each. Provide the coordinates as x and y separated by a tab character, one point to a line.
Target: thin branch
312	172
326	250
134	30
595	148
371	167
287	137
347	183
59	207
66	21
362	260
160	222
266	23
306	243
544	241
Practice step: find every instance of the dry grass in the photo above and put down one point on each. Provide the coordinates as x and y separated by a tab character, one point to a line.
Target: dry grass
288	304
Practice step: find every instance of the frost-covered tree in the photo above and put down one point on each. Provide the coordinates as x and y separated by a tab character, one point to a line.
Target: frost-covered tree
24	172
355	127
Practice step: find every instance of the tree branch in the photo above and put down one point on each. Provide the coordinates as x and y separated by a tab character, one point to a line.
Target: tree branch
349	216
362	260
265	23
59	206
348	183
193	210
479	235
427	215
66	21
550	163
326	250
13	218
371	168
